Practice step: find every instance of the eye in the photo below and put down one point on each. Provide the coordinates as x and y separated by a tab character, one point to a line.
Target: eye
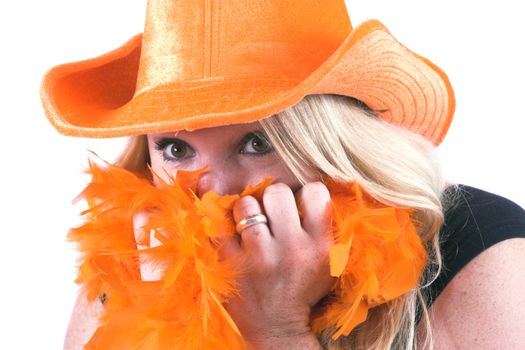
174	149
255	143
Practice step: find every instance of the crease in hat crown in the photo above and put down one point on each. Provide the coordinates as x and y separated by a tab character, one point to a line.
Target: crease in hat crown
209	63
183	40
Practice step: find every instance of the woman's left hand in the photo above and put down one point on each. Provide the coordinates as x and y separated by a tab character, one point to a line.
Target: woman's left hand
286	265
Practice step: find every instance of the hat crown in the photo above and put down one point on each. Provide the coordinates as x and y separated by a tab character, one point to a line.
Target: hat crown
188	40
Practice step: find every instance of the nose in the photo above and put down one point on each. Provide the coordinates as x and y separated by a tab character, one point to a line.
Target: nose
220	181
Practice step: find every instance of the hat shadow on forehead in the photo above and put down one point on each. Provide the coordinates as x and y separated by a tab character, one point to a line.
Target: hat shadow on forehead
213	63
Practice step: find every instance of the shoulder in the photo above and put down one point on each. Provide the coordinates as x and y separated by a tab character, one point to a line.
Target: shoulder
475	220
481	307
484	266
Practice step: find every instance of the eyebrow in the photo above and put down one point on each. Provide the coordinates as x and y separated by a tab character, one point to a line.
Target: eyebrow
175	134
168	134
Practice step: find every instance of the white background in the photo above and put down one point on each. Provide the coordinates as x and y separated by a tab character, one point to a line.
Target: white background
479	44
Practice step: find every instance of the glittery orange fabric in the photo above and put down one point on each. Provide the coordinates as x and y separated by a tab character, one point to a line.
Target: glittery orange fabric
377	257
219	62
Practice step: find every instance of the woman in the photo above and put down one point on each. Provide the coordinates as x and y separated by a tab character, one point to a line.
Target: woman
215	109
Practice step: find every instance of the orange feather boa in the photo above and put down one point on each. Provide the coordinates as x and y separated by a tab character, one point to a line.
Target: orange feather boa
377	257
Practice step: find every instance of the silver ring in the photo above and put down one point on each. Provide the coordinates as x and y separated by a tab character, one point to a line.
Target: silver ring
250	221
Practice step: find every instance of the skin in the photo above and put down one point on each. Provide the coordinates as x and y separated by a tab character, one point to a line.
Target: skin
479	309
483	307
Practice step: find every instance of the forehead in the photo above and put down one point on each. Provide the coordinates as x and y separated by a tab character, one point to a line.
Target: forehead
225	130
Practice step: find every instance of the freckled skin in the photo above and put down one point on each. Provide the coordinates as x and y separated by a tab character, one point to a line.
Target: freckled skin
483	307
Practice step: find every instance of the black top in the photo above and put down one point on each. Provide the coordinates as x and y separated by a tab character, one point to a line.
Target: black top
475	221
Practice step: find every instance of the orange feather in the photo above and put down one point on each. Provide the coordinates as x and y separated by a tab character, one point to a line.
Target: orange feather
377	257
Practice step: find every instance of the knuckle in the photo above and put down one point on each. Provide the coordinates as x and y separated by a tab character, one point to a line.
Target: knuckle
263	262
268	263
315	190
276	190
247	204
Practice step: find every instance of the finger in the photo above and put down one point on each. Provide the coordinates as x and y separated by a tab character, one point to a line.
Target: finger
313	201
228	247
281	210
145	239
257	238
142	238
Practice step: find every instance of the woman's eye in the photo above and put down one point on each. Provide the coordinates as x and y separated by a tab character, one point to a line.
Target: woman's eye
174	149
256	144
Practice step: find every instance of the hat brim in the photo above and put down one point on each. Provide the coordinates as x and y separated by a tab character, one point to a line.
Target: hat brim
96	97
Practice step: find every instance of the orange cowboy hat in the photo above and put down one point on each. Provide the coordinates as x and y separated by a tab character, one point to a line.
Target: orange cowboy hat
210	63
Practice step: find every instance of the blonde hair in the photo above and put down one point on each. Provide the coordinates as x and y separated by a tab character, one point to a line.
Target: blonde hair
339	137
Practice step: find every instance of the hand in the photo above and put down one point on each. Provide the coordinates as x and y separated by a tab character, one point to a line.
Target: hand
286	263
148	270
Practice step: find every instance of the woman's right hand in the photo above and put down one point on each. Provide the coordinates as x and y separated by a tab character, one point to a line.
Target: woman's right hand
286	265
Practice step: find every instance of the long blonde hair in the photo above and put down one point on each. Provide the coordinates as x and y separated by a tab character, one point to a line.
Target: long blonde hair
338	137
